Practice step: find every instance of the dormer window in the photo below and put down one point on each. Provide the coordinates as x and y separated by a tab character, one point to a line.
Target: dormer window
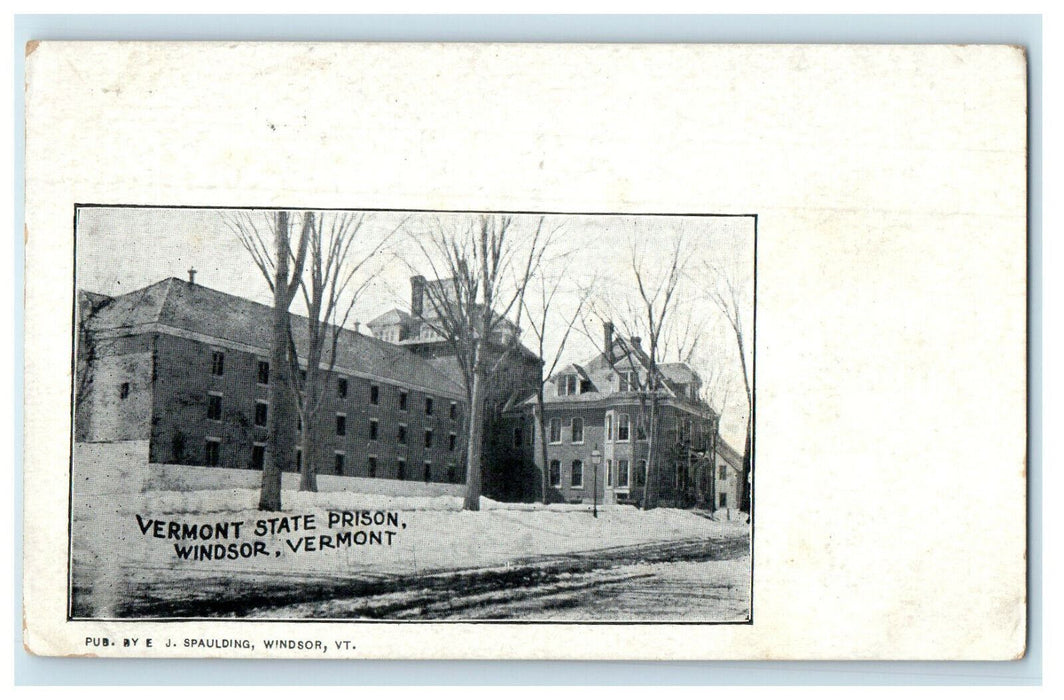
629	381
567	385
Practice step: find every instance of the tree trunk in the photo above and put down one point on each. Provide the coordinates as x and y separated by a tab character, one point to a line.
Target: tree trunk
311	440
312	435
474	448
649	492
541	422
279	408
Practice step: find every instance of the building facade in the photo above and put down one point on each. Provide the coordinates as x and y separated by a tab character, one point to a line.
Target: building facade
186	368
597	429
505	474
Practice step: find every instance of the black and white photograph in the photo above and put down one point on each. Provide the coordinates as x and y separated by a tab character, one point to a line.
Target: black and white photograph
304	414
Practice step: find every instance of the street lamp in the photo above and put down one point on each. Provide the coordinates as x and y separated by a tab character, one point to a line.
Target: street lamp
596	459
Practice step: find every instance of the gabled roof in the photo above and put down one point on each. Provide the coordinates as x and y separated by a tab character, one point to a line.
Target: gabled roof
678	372
391	317
197	309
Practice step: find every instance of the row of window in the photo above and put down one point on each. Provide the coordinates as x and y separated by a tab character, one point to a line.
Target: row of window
576	430
214	412
571	384
621	476
258	459
263	377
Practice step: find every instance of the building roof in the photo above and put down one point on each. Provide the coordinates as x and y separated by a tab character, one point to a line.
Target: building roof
193	308
678	372
728	453
390	318
627	356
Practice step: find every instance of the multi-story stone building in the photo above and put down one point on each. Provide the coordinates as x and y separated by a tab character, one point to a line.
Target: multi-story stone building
597	426
517	372
186	368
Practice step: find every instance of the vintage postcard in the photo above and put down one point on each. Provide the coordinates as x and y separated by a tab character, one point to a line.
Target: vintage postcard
501	351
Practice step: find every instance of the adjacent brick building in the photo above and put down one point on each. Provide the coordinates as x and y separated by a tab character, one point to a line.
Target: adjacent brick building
186	368
593	412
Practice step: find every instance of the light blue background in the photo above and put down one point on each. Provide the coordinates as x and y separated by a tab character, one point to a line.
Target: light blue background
1025	30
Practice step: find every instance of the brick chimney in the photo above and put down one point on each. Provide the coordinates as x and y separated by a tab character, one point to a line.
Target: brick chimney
607	340
417	295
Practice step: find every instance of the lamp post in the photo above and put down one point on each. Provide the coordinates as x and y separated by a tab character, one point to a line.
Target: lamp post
596	459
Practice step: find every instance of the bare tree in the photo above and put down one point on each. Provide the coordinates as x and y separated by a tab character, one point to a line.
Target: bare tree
482	268
282	268
651	314
539	308
729	298
329	291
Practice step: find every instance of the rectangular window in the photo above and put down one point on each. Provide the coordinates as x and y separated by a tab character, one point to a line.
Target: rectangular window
372	464
213	451
452	442
258	456
454	411
452	474
555	430
341	424
609	472
723	472
261	407
576	477
555	473
641	473
214	406
570	384
517	436
723	500
341	388
217	363
401	473
374	428
428	438
427	472
264	372
622	427
622	473
401	437
402	400
641	428
609	427
428	405
338	463
123	391
375	395
299	458
578	430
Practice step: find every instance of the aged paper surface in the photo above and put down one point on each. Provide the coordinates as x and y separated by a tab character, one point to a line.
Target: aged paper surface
863	207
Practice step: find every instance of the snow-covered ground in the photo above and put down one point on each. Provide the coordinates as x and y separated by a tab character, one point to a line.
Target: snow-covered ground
140	535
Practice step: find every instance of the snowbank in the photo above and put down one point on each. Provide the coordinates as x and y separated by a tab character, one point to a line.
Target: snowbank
142	536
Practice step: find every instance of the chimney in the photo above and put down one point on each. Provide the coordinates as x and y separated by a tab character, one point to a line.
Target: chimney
607	340
417	295
192	275
357	324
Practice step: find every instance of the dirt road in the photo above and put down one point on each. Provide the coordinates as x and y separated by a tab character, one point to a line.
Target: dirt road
708	579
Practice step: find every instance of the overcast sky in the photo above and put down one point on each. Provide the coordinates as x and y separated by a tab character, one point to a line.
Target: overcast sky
123	249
